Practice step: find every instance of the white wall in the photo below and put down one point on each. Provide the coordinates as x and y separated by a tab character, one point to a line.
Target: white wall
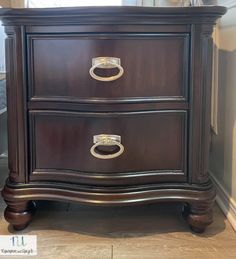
2	49
223	146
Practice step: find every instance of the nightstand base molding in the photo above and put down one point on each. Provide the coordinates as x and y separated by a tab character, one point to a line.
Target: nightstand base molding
198	211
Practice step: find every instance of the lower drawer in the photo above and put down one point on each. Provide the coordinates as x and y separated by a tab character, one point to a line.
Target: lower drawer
147	147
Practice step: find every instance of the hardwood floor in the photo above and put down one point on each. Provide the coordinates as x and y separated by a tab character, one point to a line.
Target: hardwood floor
155	231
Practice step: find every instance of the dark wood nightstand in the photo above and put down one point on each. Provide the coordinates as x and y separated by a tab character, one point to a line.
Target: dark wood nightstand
111	106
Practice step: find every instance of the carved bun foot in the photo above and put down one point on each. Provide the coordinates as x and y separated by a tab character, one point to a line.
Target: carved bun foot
19	214
198	216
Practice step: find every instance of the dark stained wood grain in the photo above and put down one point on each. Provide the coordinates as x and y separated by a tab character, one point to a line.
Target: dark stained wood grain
110	196
107	105
160	107
112	15
19	214
146	73
200	95
63	141
16	103
110	28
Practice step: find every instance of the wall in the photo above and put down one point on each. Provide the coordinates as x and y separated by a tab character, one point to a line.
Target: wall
17	3
12	3
5	3
223	146
2	49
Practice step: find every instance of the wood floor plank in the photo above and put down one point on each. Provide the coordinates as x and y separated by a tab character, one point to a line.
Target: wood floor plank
147	232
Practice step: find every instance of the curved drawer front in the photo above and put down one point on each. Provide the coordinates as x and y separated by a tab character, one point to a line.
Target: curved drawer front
154	147
151	66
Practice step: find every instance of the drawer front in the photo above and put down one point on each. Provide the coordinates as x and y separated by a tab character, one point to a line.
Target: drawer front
154	147
155	67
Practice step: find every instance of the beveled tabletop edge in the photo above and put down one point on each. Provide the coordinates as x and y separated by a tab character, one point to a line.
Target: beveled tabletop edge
68	11
111	15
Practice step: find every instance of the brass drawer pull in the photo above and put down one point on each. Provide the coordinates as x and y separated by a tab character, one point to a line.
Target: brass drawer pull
106	63
106	140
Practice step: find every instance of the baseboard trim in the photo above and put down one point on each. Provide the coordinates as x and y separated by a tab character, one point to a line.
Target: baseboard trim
225	201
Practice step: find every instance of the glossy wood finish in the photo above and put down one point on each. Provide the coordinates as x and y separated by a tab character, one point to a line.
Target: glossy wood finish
3	133
55	108
68	138
112	15
19	214
113	195
66	76
16	103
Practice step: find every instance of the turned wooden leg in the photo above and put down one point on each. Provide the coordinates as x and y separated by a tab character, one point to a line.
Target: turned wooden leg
19	213
198	216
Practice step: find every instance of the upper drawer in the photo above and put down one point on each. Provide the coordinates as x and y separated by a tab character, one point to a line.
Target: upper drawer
155	67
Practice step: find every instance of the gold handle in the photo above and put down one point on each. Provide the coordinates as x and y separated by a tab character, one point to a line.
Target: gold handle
106	140
106	63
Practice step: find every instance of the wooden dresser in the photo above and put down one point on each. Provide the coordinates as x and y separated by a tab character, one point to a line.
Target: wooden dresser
109	106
